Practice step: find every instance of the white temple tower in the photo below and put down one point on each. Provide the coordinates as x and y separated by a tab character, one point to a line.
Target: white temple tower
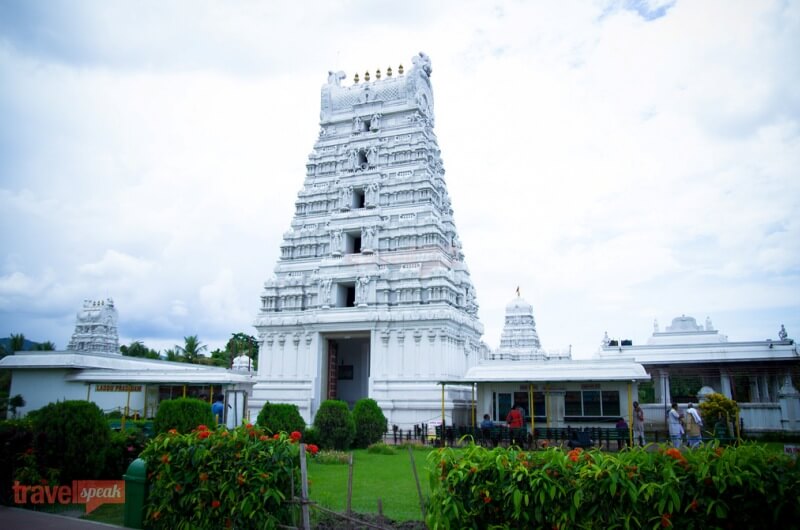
96	328
371	296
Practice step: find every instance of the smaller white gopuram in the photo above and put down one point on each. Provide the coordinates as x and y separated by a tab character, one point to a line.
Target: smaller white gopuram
96	328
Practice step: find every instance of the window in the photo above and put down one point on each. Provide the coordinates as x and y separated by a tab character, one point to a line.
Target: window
346	294
352	243
359	200
591	403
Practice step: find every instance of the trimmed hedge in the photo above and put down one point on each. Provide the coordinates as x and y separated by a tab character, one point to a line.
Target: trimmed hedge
334	425
183	415
281	417
71	437
710	487
370	422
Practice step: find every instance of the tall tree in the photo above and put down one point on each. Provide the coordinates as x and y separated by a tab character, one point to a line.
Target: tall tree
45	346
17	342
242	343
137	349
191	349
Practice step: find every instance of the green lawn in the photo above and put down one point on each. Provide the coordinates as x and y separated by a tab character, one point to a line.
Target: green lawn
388	477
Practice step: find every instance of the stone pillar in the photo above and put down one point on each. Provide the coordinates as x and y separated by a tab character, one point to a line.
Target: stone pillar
725	384
755	395
661	386
555	408
763	383
789	399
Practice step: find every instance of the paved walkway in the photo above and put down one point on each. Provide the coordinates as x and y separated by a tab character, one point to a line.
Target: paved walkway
19	519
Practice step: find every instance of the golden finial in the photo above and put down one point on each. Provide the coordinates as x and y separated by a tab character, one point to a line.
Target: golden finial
400	70
389	72
366	76
378	73
355	79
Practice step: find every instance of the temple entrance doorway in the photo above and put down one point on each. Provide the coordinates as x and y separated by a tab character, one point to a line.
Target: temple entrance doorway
347	366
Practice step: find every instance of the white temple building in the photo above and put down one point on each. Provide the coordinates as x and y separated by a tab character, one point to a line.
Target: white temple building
93	369
371	296
757	374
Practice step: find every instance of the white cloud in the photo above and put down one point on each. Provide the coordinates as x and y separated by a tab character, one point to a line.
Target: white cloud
617	165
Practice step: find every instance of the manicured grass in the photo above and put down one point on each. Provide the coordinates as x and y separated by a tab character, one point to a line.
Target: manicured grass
107	513
388	477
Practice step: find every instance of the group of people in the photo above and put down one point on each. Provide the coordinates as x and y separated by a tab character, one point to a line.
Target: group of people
688	424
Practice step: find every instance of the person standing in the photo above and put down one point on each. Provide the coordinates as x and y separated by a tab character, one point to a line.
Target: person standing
693	424
514	418
218	409
638	424
675	424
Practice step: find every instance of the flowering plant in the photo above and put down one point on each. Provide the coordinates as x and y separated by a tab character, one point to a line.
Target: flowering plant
218	479
701	488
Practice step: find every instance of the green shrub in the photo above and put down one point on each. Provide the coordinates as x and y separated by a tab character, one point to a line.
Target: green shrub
311	436
381	448
370	422
707	487
71	436
124	448
281	417
16	437
183	415
335	425
219	479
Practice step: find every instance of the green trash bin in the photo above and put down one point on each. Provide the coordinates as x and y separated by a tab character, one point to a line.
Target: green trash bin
135	493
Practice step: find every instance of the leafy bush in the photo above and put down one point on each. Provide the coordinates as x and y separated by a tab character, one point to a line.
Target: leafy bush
183	415
311	436
280	417
123	449
16	437
381	448
708	487
335	425
71	436
219	479
370	422
717	406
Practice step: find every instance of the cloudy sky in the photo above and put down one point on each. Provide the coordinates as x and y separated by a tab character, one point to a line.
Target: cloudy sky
620	161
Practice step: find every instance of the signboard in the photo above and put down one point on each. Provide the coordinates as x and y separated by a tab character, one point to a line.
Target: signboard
118	388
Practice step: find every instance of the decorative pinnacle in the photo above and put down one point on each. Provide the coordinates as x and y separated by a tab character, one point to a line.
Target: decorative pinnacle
389	72
355	79
400	70
366	76
378	73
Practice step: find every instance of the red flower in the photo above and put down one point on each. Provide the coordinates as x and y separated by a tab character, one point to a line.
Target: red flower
676	454
263	438
178	488
173	431
295	436
665	520
313	449
29	451
693	506
164	458
249	426
202	428
215	503
203	435
276	436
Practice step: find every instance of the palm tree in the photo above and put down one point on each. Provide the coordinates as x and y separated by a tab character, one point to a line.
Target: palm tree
17	342
46	346
191	349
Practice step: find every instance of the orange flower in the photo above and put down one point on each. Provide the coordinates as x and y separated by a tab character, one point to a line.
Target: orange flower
173	431
203	477
263	438
487	499
665	520
156	515
164	458
693	506
224	434
248	426
264	475
178	488
241	480
676	454
215	503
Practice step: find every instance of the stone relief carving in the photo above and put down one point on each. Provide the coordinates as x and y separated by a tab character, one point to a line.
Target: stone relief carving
357	124
371	198
345	197
372	155
362	290
335	78
325	291
375	122
368	238
337	240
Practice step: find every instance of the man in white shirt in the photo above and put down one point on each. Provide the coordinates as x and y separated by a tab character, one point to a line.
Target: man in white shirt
675	424
693	424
